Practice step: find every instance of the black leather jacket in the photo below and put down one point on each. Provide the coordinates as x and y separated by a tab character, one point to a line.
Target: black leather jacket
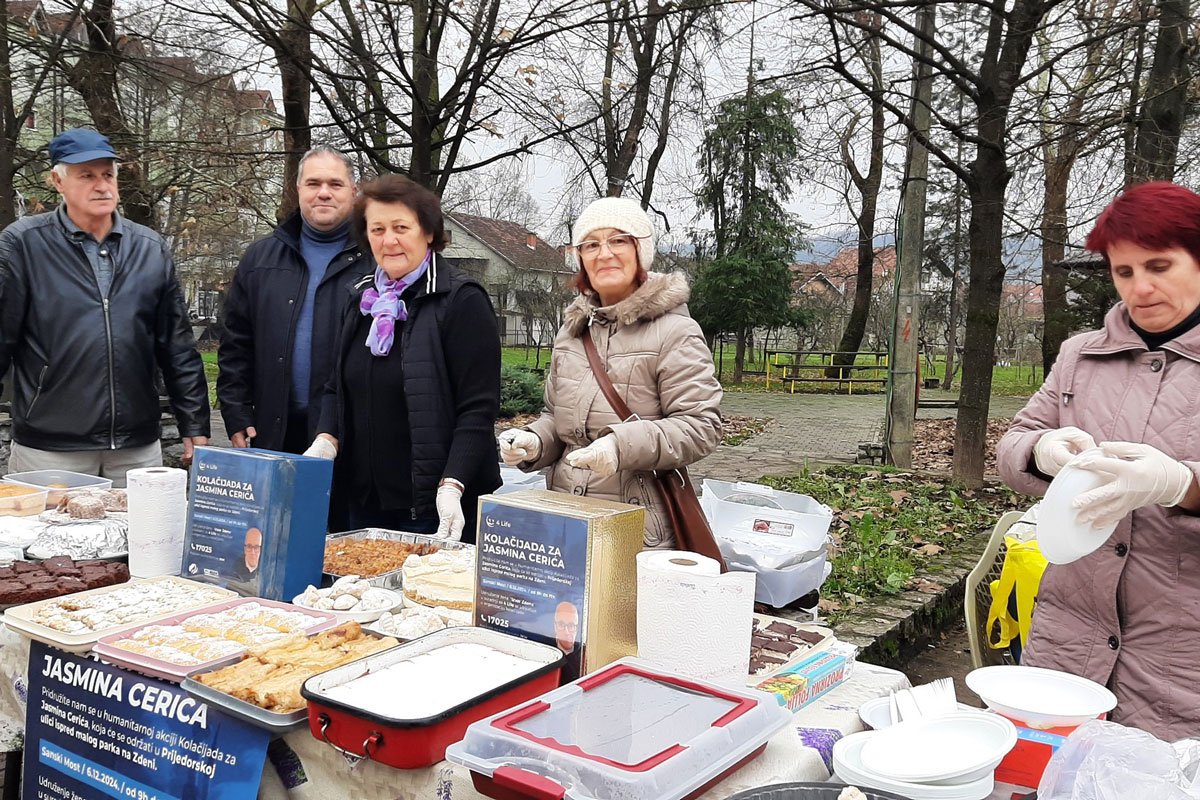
84	366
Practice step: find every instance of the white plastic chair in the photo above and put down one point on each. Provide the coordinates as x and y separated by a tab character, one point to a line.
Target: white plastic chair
978	594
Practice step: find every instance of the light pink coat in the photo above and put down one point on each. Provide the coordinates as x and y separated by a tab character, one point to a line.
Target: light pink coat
1128	615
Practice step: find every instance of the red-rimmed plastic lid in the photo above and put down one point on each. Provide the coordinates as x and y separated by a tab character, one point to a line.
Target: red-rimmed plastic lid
626	717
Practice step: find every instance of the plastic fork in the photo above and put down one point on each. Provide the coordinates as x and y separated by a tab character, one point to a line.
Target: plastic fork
933	699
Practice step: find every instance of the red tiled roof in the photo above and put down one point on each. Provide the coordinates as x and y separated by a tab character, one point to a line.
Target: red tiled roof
511	240
842	270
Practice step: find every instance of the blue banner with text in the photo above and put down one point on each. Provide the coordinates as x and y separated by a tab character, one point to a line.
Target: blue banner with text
98	731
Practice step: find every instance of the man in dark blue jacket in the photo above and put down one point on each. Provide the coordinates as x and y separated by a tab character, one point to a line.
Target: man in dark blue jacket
284	309
90	311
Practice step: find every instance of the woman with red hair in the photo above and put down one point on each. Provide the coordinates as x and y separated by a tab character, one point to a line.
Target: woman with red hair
1128	615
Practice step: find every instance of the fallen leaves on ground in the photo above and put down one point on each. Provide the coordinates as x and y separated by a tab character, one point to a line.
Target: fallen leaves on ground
933	444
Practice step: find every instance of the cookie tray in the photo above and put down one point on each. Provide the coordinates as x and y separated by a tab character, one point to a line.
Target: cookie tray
21	618
393	579
167	670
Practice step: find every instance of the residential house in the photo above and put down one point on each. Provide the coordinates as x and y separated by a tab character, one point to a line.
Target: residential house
526	277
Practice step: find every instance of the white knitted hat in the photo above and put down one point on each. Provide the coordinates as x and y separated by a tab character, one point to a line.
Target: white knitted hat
622	214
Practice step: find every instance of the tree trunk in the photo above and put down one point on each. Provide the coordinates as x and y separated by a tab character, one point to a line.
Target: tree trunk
293	54
984	289
868	188
425	93
1161	118
94	76
739	356
1056	320
11	127
952	327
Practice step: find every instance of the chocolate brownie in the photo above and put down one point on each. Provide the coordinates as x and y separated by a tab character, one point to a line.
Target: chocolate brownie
11	591
63	572
71	585
6	573
25	566
41	592
58	561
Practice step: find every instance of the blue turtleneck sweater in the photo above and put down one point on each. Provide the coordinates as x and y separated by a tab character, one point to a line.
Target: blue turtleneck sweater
319	249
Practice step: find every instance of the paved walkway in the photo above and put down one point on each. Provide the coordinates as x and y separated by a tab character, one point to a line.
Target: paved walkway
807	429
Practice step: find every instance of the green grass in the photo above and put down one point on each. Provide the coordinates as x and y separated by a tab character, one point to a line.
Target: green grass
889	525
210	373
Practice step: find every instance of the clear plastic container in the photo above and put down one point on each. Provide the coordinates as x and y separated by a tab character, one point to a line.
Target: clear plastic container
627	732
58	482
17	500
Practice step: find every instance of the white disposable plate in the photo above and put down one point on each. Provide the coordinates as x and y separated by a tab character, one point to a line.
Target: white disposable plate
1041	698
356	616
956	748
847	765
1061	537
876	714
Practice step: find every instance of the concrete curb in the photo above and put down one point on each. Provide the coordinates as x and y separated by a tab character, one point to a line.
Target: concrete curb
889	630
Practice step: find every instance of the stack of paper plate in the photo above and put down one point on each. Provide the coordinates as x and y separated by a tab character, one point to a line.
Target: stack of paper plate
951	757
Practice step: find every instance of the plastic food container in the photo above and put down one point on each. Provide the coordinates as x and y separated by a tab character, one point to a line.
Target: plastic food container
626	732
21	618
392	579
779	587
17	500
58	482
171	671
808	791
409	741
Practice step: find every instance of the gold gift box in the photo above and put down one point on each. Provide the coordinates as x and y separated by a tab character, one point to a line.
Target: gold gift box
539	550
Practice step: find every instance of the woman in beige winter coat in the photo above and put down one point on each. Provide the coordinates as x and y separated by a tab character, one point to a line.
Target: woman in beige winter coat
1128	615
657	360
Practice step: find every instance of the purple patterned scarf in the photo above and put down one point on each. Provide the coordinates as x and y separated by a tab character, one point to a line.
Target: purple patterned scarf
382	301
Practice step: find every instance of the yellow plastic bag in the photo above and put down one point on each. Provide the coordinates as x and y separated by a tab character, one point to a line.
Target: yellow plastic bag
1022	574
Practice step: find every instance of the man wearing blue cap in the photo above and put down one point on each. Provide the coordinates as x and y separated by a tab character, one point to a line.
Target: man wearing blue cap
90	311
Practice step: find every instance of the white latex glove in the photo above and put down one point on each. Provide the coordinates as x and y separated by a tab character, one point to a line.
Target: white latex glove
517	446
600	456
322	447
1057	447
451	519
1139	474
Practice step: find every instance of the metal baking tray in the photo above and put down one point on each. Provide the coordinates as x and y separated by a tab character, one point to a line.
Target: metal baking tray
248	712
107	648
20	618
393	579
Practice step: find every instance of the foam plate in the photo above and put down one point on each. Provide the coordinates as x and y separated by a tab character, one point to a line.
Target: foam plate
955	748
1041	698
847	764
1061	537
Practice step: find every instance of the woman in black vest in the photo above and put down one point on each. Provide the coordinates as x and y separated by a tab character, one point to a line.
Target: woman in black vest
410	411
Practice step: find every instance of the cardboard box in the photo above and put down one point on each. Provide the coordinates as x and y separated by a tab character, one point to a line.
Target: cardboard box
560	569
800	684
251	502
1026	762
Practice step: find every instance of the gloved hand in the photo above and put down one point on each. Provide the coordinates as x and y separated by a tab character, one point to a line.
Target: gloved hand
451	519
600	456
517	446
1140	475
324	446
1057	447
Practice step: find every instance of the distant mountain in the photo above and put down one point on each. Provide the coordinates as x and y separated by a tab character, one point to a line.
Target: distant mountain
824	247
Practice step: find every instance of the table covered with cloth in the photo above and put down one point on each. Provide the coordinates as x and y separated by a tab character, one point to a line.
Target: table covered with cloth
300	767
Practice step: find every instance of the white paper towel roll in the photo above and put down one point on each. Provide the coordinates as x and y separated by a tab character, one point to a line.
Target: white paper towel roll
691	619
157	518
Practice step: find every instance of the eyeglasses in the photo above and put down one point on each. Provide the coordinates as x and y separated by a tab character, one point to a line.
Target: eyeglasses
254	548
618	244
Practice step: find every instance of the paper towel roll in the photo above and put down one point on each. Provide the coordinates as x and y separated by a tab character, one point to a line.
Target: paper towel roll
157	519
691	619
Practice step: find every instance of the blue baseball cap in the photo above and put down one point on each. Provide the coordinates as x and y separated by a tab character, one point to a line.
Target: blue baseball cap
79	145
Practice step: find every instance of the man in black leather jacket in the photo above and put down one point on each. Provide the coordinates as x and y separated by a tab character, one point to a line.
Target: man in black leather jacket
284	310
90	311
